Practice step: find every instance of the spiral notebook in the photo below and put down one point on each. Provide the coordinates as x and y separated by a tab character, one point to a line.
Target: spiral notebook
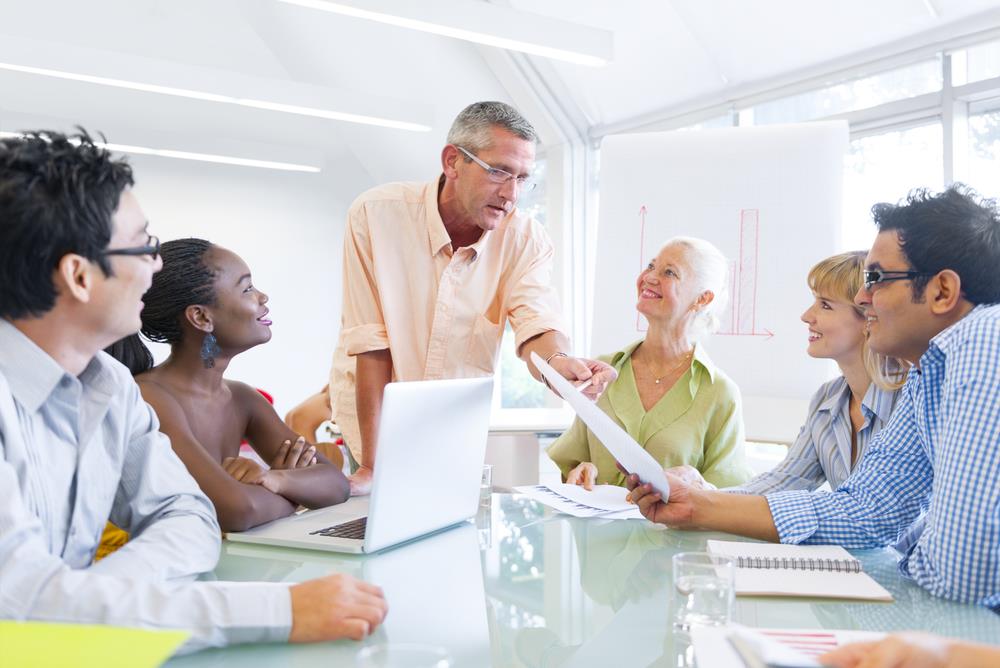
809	571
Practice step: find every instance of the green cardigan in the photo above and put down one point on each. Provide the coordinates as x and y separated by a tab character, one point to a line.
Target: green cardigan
698	421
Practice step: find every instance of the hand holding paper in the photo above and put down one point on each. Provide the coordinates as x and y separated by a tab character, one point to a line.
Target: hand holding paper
623	447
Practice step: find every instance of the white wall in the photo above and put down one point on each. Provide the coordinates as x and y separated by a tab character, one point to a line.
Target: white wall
288	227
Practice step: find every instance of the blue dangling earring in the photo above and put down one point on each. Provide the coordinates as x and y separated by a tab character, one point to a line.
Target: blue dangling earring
209	349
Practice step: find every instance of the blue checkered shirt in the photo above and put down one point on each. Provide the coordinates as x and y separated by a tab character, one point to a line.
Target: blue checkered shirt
930	481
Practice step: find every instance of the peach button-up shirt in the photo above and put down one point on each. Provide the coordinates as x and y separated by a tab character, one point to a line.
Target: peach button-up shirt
440	311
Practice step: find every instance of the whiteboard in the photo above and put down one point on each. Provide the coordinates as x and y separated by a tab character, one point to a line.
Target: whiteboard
770	199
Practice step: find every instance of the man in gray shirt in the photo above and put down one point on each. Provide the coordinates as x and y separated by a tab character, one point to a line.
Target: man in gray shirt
78	446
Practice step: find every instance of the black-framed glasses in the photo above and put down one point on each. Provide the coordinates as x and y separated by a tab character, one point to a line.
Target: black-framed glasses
872	277
152	248
524	183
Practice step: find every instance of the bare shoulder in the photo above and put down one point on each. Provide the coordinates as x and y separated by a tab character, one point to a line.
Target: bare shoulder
171	414
248	399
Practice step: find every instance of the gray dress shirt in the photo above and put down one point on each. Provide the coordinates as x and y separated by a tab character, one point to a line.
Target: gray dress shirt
78	451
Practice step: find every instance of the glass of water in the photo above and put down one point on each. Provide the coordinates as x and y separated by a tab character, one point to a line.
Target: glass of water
486	485
704	589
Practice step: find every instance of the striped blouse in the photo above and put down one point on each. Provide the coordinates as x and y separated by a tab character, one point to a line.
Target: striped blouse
822	451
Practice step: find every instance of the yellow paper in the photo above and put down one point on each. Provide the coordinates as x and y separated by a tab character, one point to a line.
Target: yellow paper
43	645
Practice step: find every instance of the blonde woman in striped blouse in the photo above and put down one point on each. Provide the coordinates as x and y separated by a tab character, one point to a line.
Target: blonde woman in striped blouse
846	412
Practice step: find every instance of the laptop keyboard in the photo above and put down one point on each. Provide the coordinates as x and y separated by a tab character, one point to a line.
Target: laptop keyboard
352	529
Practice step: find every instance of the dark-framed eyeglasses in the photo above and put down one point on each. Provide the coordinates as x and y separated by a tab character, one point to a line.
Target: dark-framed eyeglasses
524	183
873	277
152	248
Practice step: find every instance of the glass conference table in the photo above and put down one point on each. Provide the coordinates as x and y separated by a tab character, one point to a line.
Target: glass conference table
524	586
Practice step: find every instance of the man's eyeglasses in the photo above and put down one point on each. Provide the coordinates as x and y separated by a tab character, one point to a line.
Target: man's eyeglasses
152	248
872	277
524	183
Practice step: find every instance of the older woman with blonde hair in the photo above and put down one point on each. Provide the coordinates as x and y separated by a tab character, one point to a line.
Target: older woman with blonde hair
669	396
846	412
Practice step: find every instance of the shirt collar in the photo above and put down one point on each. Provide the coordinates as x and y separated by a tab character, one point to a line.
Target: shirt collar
952	335
700	356
33	375
836	395
879	402
437	235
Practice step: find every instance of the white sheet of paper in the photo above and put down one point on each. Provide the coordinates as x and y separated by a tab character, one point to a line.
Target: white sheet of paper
622	446
604	501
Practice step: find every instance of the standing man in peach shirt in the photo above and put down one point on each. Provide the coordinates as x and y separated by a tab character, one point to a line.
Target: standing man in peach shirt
432	272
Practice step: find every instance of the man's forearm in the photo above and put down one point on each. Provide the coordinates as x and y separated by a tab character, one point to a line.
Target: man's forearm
544	345
374	372
740	514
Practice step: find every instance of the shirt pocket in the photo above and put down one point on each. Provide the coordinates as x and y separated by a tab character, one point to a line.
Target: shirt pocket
484	343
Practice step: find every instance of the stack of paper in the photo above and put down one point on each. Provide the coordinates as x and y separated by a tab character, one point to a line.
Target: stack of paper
605	501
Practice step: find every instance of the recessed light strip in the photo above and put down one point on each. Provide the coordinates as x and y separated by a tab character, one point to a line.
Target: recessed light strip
457	33
214	97
200	157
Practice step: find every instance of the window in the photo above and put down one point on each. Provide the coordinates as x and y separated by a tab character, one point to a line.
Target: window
976	63
864	93
515	386
984	151
883	168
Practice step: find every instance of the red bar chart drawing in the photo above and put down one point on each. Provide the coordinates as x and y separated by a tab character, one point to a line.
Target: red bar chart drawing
740	318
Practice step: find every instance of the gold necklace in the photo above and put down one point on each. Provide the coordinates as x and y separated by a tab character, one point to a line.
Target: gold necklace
685	359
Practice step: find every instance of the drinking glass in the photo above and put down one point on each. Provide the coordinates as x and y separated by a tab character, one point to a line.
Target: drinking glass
486	485
704	589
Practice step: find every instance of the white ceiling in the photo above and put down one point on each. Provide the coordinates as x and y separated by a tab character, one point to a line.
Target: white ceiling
667	53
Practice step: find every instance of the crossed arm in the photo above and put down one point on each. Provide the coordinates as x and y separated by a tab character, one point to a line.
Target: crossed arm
245	495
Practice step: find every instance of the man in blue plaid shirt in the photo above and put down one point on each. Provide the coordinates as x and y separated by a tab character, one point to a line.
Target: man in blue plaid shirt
930	481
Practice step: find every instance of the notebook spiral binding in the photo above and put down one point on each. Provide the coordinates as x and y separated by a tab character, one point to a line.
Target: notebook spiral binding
801	563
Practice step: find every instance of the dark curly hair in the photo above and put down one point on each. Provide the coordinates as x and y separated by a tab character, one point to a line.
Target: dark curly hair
57	196
954	229
184	280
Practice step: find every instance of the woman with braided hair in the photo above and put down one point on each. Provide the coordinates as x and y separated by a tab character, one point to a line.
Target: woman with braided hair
204	304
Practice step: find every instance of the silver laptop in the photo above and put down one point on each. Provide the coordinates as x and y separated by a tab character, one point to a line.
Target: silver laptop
428	467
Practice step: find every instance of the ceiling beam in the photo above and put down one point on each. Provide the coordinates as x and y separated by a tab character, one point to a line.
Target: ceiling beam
482	23
149	76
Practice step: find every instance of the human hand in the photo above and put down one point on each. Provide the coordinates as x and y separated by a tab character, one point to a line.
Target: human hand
334	607
243	469
361	481
295	455
912	650
579	369
677	512
690	475
584	474
248	471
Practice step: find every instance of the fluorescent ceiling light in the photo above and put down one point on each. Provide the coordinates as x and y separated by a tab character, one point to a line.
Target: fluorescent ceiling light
201	157
214	97
596	53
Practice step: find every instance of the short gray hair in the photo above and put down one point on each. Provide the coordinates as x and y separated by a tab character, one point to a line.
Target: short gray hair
711	272
471	129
